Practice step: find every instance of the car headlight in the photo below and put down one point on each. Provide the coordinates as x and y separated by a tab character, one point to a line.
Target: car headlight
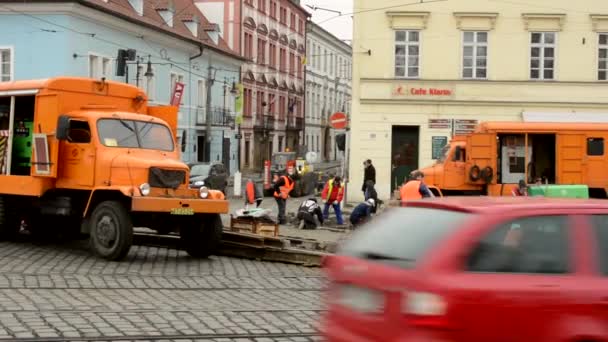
204	192
199	183
144	189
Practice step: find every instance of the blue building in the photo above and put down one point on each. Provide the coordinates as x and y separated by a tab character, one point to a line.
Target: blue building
172	42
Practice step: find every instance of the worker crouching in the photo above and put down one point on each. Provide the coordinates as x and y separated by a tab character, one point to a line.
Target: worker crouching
307	212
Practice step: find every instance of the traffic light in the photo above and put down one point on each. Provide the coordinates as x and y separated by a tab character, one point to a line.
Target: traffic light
341	141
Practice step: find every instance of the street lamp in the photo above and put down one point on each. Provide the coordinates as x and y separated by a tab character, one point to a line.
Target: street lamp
149	73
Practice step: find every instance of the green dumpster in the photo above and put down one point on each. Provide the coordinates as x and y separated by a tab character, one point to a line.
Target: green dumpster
559	190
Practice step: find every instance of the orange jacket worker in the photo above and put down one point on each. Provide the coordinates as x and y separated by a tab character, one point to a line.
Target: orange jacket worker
282	187
415	188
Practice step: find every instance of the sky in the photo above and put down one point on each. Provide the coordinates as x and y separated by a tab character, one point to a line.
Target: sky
341	27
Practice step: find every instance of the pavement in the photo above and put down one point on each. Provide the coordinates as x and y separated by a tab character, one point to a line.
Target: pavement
60	291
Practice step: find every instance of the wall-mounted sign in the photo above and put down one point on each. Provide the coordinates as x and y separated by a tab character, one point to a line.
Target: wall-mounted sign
403	90
437	144
463	127
440	123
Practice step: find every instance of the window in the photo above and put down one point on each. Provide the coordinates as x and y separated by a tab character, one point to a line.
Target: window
600	226
301	26
595	146
79	132
542	56
99	66
201	94
259	102
282	108
528	245
273	10
262	5
176	78
602	68
271	104
272	51
300	67
247	99
147	83
292	21
249	2
6	66
282	59
474	54
248	45
261	51
134	134
283	18
292	63
407	52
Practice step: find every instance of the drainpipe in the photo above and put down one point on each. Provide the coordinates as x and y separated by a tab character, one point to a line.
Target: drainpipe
190	125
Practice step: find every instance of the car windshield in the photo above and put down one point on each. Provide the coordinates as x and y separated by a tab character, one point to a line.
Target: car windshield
402	235
200	170
444	153
135	134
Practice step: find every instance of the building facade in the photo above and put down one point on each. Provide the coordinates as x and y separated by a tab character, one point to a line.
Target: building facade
270	35
82	38
328	89
425	72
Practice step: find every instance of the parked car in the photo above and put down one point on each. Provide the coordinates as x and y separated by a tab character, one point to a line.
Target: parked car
473	269
212	175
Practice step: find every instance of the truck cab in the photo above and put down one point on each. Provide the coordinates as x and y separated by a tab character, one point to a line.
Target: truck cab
91	156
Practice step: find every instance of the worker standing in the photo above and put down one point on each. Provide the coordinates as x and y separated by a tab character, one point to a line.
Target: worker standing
369	174
282	187
415	188
333	193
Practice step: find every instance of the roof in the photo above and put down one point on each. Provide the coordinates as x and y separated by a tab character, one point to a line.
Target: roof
61	83
184	10
485	204
539	126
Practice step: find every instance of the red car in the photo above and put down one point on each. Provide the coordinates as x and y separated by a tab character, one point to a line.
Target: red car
474	269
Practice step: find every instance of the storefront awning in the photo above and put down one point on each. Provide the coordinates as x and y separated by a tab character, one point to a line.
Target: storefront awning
582	117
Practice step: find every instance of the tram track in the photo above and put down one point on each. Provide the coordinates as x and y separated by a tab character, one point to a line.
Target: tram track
168	337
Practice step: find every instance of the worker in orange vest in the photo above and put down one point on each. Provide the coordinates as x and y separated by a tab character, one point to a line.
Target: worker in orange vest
282	187
415	188
252	194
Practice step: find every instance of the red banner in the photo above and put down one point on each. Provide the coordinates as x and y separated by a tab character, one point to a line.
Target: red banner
178	92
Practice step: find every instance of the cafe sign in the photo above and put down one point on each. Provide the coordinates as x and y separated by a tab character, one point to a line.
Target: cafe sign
404	90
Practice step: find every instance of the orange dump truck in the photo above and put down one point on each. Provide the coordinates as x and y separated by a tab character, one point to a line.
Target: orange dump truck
497	155
90	156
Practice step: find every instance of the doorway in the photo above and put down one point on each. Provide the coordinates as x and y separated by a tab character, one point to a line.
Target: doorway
247	153
543	161
226	154
201	148
404	153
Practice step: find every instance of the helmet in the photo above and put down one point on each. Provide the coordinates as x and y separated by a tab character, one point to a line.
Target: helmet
371	201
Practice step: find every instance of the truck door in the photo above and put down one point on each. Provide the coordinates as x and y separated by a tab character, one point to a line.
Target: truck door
595	155
571	158
481	153
78	155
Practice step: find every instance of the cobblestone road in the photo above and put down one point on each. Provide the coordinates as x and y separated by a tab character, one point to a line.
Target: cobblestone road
58	292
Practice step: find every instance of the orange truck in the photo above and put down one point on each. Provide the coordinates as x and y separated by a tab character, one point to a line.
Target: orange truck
91	157
497	155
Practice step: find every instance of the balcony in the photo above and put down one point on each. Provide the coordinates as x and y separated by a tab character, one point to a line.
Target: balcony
295	123
264	123
219	116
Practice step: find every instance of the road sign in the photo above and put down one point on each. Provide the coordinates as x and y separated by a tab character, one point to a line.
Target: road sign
178	91
338	120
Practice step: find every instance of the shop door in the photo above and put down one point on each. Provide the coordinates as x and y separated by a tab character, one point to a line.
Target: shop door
404	153
226	153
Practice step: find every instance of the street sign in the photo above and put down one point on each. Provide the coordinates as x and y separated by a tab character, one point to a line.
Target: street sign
338	120
238	136
176	97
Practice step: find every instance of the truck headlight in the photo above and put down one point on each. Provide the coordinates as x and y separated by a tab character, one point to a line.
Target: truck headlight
144	189
203	192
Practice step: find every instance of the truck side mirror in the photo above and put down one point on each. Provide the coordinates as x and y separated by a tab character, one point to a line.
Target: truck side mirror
457	154
63	127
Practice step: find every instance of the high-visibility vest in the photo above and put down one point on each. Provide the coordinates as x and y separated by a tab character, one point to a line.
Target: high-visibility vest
330	188
250	193
410	191
285	189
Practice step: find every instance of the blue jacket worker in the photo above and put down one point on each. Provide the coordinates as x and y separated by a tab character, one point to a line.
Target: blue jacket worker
362	212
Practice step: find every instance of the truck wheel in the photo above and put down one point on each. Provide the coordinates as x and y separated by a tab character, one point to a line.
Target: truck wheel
202	238
111	233
9	222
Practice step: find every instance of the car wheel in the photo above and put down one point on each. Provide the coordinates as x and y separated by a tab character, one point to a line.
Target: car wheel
111	233
202	238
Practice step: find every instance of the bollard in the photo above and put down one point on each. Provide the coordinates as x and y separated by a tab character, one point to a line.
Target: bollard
237	184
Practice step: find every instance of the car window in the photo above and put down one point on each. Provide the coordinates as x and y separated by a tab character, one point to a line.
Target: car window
600	227
402	235
528	245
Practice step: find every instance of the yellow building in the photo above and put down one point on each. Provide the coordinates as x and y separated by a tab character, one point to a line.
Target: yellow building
425	71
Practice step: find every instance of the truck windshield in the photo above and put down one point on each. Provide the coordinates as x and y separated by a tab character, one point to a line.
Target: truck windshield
444	153
134	134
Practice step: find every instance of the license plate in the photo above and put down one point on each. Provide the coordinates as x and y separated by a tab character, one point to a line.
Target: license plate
182	211
361	299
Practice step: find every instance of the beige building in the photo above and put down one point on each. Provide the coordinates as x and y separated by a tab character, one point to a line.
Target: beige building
424	72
